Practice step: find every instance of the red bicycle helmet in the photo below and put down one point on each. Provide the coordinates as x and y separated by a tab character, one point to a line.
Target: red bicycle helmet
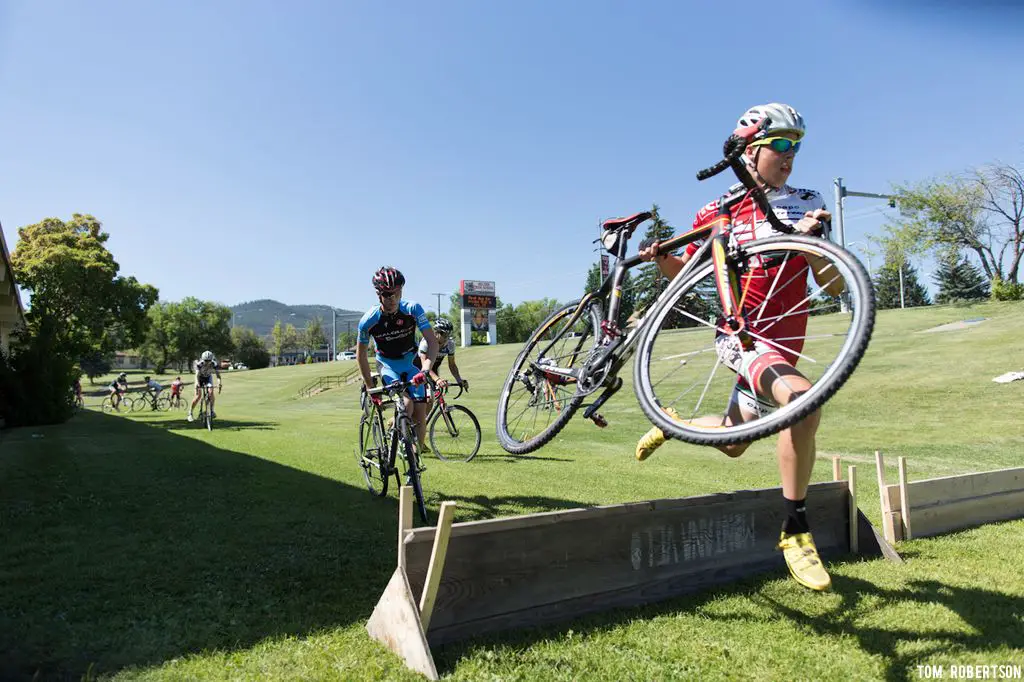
388	279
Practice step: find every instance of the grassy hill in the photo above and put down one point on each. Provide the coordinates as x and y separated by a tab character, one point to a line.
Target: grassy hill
261	315
143	548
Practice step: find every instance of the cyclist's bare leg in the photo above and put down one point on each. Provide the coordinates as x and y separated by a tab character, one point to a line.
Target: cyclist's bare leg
420	420
210	393
796	449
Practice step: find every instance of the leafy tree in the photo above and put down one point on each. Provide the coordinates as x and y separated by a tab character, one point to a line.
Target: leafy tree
198	326
313	339
887	285
958	280
159	345
982	212
36	375
249	348
291	338
94	364
73	279
593	279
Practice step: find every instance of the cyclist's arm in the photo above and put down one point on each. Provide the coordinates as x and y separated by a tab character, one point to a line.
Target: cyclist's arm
432	346
454	369
826	275
364	364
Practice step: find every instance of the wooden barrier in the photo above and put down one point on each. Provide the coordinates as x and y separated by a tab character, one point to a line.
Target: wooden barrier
939	505
499	574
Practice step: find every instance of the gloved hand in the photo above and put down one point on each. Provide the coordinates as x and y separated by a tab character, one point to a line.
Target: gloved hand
420	378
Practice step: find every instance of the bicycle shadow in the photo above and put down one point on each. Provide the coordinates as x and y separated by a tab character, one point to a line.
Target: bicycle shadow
183	424
126	544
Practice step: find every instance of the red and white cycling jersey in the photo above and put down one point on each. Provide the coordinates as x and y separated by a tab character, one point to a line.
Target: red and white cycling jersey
784	318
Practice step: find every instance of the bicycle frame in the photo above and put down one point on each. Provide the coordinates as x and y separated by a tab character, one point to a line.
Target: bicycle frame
715	234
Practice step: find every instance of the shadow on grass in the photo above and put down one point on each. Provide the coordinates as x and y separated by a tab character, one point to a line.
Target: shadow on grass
994	620
993	617
128	545
182	424
477	507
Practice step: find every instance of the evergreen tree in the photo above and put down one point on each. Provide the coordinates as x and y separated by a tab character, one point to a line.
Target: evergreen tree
649	283
887	285
959	280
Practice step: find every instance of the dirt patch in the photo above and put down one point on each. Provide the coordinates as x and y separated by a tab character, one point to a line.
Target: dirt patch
953	326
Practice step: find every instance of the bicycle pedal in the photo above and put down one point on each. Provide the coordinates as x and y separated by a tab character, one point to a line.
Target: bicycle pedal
599	420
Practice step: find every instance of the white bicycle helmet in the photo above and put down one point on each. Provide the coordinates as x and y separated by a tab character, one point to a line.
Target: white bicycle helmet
207	356
782	118
443	326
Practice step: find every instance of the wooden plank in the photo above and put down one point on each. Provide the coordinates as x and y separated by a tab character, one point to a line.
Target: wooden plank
872	542
975	511
904	500
853	508
404	521
891	528
436	565
947	489
893	523
520	572
395	623
837	469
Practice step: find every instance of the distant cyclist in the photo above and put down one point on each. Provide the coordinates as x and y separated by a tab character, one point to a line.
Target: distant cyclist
152	389
117	388
206	368
445	349
176	389
392	324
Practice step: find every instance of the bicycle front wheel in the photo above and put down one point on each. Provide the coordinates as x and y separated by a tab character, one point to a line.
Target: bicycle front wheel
372	452
694	377
455	434
406	440
538	399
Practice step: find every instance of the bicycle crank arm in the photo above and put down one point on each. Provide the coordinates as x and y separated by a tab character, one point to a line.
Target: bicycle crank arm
591	411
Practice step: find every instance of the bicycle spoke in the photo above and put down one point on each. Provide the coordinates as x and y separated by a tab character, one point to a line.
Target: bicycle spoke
700	400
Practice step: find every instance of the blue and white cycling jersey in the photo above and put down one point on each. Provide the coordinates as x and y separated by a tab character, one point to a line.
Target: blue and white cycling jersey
395	337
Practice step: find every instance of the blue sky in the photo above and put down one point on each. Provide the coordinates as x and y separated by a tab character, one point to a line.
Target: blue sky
244	150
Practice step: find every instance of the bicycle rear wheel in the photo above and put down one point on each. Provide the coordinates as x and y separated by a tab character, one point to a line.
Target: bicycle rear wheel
455	434
163	403
372	452
536	402
687	363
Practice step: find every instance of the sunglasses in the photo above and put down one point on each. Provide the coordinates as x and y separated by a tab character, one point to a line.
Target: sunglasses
778	144
387	294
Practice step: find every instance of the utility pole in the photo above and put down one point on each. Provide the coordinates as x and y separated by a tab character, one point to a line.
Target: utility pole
439	295
334	334
841	193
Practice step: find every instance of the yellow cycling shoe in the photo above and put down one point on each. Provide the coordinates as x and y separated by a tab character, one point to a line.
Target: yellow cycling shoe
653	439
803	561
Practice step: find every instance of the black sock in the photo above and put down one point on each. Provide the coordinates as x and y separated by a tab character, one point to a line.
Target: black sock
796	517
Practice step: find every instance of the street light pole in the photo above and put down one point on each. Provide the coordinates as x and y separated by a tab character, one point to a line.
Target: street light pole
439	295
840	195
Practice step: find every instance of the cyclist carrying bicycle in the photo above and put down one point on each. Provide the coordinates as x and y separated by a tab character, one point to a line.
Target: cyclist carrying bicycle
206	368
445	349
392	324
117	388
776	381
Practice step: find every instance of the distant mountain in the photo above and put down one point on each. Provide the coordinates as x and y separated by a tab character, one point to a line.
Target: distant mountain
261	315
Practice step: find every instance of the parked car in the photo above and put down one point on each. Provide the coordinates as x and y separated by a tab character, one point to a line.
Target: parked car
241	365
347	355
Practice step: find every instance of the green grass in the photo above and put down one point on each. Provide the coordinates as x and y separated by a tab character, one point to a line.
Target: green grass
142	548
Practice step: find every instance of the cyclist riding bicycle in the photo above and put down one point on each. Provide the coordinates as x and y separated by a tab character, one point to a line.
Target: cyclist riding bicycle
153	389
776	381
392	324
445	349
206	368
117	388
